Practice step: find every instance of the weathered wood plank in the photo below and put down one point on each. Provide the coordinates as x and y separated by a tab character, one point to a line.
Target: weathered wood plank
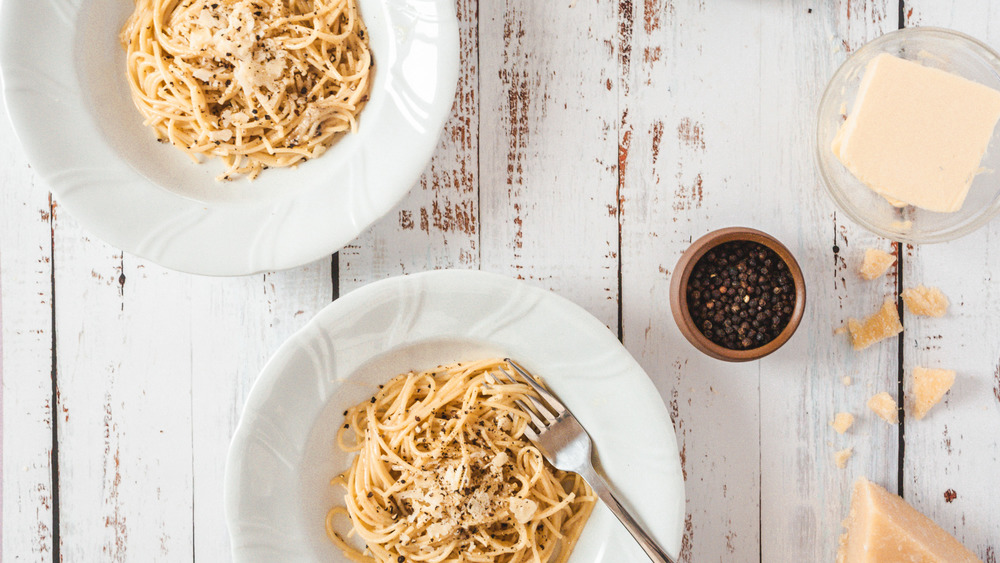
157	367
687	67
804	496
236	325
717	131
123	337
549	150
158	364
437	224
954	452
26	369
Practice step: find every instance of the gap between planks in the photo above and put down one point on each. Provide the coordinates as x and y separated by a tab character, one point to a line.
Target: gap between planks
900	339
54	400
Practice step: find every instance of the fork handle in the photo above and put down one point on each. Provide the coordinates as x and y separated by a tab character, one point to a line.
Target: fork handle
656	553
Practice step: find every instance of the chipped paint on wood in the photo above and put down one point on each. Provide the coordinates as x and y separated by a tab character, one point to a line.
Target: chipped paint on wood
664	206
114	520
691	134
549	147
27	412
118	349
437	223
796	440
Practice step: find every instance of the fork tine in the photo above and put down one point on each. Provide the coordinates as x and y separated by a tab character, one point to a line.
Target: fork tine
558	407
530	432
493	377
531	407
539	423
547	411
535	417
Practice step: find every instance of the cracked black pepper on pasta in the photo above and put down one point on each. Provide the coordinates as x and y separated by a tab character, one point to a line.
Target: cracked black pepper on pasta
741	295
255	83
443	472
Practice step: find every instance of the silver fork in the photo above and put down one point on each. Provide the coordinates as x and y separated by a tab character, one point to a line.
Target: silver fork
567	446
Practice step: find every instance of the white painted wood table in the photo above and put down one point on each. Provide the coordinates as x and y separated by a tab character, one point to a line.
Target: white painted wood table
591	141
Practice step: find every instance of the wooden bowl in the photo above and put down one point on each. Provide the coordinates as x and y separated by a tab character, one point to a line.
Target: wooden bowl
679	303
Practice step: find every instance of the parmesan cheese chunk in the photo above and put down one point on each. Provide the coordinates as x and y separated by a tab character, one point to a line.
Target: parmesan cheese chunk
522	509
875	264
883	324
236	35
840	457
883	528
929	386
926	301
477	506
221	136
885	406
497	463
842	421
202	74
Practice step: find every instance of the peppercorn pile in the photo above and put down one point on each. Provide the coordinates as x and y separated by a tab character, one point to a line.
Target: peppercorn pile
741	295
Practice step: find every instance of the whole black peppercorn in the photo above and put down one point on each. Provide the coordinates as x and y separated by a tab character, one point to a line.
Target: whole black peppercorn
741	295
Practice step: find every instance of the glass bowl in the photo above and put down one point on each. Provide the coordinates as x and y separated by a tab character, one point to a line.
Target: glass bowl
934	47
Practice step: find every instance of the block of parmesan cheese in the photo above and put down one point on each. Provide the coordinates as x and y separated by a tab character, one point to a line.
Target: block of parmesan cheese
875	264
929	386
885	407
915	134
881	325
883	528
926	301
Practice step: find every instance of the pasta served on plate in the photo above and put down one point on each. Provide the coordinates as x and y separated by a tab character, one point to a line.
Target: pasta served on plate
256	83
443	473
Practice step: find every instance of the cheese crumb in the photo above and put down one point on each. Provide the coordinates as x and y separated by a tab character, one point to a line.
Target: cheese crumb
840	457
929	386
883	324
221	136
842	421
885	407
875	264
846	380
926	301
497	463
522	509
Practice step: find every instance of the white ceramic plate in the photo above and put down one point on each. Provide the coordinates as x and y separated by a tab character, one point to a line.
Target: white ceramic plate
283	454
64	84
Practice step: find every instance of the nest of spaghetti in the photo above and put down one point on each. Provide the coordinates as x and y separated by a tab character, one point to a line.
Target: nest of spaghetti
443	473
255	83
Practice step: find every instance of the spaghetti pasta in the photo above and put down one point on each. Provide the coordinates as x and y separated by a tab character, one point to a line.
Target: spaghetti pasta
257	83
443	474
